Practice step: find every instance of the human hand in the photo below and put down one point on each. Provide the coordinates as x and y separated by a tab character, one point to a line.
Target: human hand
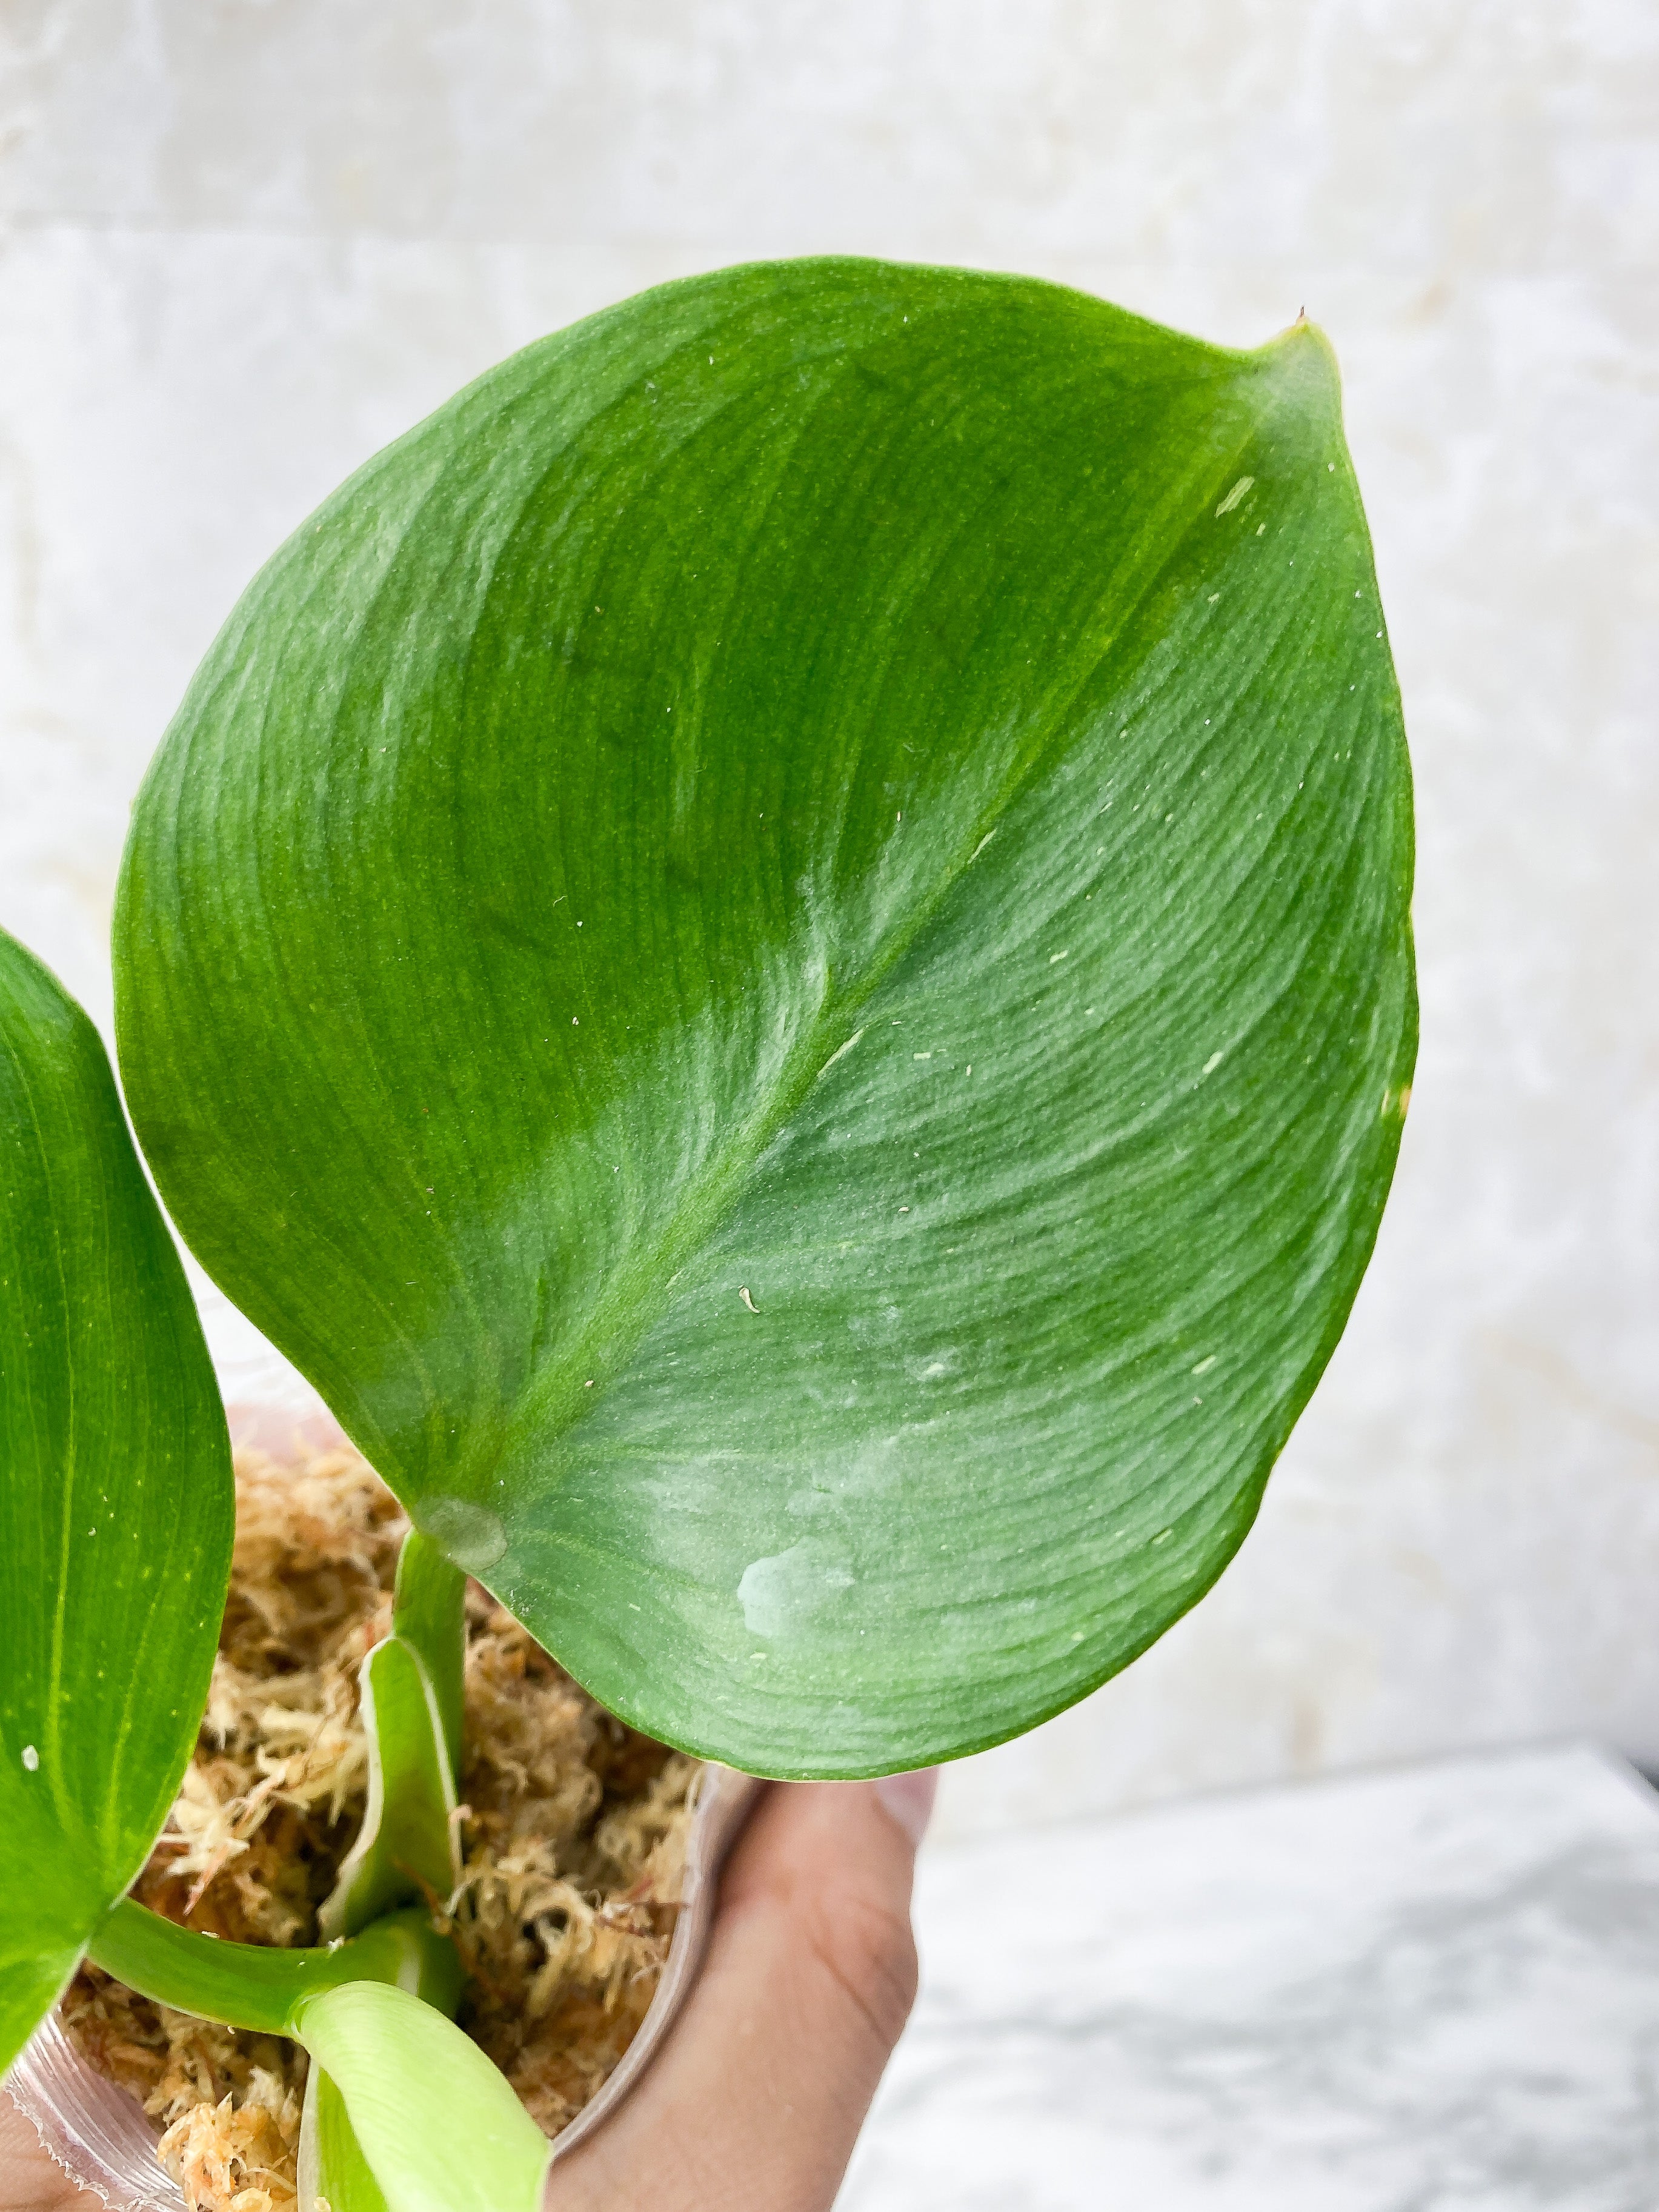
756	2099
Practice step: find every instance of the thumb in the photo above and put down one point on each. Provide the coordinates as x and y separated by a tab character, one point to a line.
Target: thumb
757	2098
30	2181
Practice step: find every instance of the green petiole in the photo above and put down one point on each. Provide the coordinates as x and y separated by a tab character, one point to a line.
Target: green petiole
253	1985
429	1611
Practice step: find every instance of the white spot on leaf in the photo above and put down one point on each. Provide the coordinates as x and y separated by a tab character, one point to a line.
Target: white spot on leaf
787	1588
471	1534
836	1055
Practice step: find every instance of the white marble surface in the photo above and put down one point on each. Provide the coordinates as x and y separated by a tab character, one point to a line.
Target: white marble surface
243	243
1435	1989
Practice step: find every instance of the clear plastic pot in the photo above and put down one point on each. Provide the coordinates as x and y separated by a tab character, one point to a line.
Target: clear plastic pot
101	2138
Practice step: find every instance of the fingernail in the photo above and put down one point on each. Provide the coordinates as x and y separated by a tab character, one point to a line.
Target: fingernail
910	1799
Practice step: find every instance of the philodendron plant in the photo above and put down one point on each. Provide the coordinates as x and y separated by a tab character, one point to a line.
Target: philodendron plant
776	951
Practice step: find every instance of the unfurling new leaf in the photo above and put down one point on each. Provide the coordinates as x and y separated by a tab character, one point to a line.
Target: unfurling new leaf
437	2125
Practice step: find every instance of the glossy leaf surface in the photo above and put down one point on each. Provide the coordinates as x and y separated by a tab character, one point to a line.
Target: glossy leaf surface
115	1499
777	950
439	2127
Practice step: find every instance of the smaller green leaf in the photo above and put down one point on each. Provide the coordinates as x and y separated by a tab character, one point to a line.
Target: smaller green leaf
429	1611
407	1845
439	2125
260	1988
333	2170
116	1502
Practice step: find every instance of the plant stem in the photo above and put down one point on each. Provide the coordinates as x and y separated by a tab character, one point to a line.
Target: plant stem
254	1986
430	1611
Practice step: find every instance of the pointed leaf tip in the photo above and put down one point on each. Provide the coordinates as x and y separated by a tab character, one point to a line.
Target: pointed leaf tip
1302	361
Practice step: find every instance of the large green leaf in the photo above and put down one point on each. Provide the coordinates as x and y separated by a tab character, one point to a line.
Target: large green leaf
777	950
115	1499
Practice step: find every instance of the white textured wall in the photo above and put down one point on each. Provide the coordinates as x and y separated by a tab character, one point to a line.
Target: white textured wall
243	242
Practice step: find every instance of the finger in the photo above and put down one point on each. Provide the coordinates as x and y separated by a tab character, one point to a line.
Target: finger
30	2181
756	2100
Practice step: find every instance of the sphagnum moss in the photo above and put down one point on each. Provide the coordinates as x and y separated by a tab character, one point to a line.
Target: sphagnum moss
573	1829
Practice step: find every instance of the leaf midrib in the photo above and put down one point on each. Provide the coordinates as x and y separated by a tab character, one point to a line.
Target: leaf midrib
559	1399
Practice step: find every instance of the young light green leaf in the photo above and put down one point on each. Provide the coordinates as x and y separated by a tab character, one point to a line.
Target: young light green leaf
436	2122
115	1499
334	2176
407	1847
429	1613
777	950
